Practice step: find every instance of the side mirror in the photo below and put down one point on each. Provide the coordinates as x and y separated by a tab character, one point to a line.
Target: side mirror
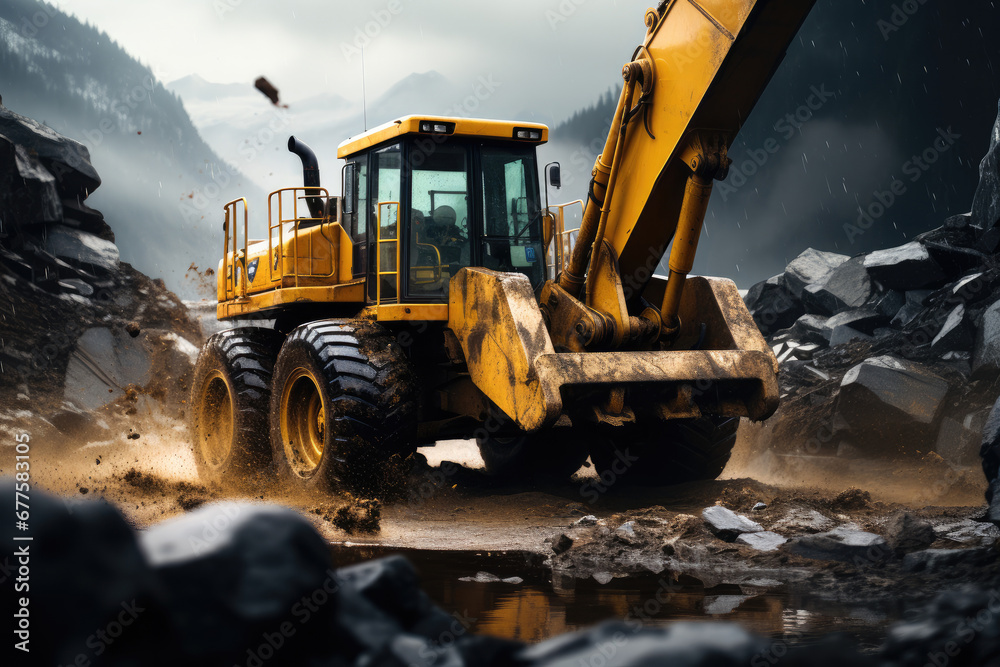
554	174
349	187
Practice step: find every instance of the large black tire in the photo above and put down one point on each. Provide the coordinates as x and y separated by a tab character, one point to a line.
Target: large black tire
344	404
230	399
663	453
554	453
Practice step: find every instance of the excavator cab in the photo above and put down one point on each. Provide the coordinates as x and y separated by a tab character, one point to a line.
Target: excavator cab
426	197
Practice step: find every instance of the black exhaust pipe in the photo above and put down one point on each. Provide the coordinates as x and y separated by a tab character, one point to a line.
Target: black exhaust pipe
310	174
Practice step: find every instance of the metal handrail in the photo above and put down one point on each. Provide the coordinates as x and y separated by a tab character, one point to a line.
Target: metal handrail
561	236
231	277
378	252
309	192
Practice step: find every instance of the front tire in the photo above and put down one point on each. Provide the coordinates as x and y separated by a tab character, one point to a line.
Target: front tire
230	399
667	452
343	405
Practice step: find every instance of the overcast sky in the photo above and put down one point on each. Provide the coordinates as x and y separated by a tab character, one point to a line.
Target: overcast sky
556	55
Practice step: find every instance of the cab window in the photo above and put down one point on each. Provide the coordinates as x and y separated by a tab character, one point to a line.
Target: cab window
511	213
440	242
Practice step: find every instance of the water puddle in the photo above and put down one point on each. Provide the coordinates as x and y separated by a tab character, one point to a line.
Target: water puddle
539	608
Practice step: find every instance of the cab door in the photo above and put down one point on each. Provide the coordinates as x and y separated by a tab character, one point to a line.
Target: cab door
384	220
356	212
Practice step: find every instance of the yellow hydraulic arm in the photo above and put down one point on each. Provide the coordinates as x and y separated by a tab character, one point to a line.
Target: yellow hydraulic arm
609	338
690	86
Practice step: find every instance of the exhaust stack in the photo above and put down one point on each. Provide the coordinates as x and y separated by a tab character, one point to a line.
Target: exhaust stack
310	174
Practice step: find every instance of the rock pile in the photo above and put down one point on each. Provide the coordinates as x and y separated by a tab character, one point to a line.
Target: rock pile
895	351
887	343
78	328
239	584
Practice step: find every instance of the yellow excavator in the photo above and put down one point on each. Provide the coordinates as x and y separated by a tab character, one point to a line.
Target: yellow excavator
439	298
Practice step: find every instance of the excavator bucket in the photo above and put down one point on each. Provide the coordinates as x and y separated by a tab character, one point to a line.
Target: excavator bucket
720	364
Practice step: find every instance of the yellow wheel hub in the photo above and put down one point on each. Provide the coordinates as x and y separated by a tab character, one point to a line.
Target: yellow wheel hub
303	422
216	419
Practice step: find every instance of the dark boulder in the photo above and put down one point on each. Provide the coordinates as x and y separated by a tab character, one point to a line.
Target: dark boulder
986	353
844	544
958	628
953	245
728	525
887	401
807	329
393	587
65	161
82	249
241	578
847	286
990	453
360	627
905	533
812	266
773	306
958	441
907	267
92	594
865	320
843	334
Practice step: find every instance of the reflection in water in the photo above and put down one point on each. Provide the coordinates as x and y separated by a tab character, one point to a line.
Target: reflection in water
543	606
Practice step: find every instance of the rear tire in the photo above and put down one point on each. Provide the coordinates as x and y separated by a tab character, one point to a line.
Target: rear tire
670	452
555	453
343	405
230	399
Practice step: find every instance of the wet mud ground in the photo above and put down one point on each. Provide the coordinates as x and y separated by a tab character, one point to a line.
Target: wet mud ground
467	534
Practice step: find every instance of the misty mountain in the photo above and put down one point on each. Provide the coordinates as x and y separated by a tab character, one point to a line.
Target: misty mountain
884	86
163	186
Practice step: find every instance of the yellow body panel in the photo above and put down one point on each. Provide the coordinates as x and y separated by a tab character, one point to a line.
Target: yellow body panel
497	321
467	127
317	255
265	301
414	312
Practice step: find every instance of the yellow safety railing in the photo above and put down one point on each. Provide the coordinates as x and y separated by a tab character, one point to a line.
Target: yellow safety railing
378	255
563	239
236	285
297	221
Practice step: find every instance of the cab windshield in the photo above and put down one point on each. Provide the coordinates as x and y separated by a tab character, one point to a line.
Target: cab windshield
440	239
461	216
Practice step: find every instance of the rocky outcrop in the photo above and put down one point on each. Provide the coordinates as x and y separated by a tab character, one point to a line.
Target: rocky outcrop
986	205
81	329
890	352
